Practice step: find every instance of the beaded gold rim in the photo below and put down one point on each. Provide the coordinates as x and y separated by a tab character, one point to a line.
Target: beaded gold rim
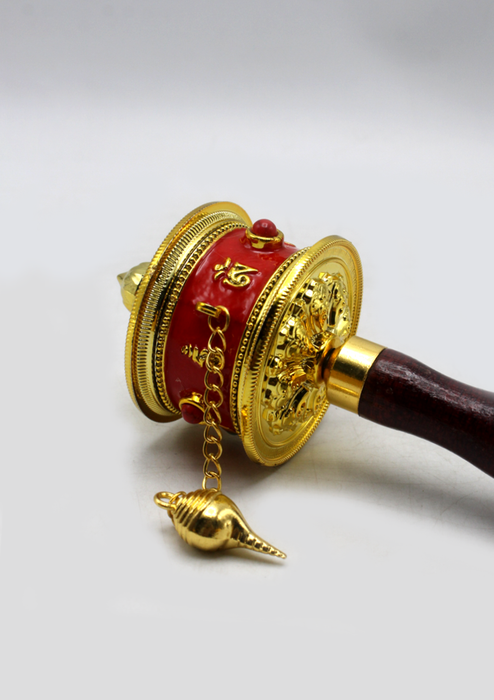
249	330
157	295
262	328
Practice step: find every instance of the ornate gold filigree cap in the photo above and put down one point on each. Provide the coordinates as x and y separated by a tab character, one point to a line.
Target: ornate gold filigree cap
310	308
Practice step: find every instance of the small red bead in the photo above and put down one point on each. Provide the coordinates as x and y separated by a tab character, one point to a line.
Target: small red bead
191	414
264	228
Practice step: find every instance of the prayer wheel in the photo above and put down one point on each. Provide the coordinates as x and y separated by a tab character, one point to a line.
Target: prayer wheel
291	345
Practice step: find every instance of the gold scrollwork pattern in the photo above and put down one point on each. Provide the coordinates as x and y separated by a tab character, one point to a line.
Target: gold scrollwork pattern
319	316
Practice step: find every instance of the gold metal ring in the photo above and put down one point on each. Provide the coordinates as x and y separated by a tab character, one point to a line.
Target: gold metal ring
169	504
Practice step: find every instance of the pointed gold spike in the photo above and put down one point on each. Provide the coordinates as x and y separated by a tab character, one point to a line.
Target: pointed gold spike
209	520
129	282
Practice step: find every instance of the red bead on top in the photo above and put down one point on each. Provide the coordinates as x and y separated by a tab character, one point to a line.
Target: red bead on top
264	228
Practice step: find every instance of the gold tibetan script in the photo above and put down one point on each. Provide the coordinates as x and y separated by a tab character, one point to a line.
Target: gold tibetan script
196	355
234	275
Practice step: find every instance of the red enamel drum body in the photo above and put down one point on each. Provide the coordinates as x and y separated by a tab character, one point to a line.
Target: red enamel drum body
287	307
231	274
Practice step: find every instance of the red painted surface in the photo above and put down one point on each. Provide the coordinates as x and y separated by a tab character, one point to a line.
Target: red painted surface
189	327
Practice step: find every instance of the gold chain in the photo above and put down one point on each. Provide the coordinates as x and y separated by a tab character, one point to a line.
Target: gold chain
206	518
213	394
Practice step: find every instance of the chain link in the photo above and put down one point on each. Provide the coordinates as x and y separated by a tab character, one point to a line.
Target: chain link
213	394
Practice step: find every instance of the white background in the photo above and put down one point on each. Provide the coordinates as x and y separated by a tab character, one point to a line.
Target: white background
369	119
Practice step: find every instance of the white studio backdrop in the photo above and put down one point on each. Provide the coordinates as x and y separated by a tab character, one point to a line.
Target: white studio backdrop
371	120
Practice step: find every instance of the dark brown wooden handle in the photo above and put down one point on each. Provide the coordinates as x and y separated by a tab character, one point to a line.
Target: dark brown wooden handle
404	394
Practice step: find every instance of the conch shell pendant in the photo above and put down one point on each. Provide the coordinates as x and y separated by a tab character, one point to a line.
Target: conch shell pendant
209	520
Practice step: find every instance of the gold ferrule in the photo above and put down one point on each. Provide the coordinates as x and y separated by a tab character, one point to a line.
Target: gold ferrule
347	371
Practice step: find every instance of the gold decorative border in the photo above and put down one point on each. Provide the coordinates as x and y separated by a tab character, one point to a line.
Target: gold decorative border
249	328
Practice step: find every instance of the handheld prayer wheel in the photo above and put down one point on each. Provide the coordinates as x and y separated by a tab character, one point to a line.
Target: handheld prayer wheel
233	327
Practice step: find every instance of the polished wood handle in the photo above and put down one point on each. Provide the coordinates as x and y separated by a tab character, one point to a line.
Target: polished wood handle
404	394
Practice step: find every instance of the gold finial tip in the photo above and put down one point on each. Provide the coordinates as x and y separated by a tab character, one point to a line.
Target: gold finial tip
129	283
250	540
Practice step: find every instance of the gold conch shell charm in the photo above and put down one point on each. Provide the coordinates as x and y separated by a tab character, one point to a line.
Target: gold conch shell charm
209	520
